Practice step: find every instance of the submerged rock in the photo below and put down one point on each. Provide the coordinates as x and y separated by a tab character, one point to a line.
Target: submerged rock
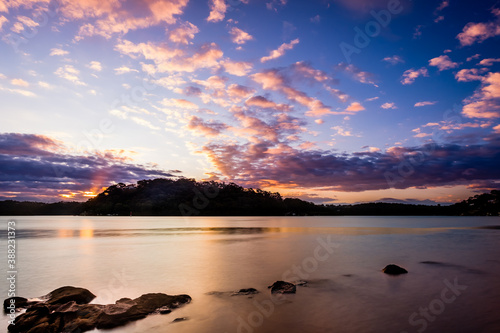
282	287
248	291
394	270
66	310
176	320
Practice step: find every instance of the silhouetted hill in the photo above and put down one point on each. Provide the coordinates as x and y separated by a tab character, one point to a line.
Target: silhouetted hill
188	197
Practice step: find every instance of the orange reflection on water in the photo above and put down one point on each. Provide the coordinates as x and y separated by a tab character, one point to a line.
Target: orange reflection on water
86	233
65	233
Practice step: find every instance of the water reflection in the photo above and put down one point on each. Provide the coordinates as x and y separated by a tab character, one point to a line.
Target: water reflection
90	232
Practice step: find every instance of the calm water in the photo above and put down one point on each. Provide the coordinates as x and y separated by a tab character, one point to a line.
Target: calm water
208	258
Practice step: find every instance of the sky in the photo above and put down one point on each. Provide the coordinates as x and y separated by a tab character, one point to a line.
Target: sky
330	101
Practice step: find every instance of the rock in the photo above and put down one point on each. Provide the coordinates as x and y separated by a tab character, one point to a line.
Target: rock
394	270
248	291
282	287
176	320
54	316
19	303
67	294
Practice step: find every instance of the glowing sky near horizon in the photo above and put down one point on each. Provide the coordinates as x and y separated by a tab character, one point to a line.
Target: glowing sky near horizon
334	101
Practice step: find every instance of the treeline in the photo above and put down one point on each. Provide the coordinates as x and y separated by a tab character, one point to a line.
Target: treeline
169	197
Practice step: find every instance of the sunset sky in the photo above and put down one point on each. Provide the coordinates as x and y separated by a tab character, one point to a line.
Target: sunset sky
331	101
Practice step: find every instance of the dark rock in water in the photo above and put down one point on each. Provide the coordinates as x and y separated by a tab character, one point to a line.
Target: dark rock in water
301	283
17	303
53	316
248	291
282	287
67	294
394	270
176	320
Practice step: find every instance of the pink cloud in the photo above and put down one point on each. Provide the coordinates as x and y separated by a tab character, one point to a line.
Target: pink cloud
262	102
388	106
239	36
184	33
201	127
410	75
485	103
355	107
443	63
478	32
217	10
357	74
467	75
237	68
280	51
488	61
394	60
424	103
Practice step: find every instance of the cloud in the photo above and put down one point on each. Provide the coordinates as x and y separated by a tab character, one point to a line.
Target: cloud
410	75
315	19
144	122
184	33
357	74
497	129
58	52
394	60
280	51
472	57
467	75
110	17
167	59
3	20
424	103
427	165
179	103
273	4
276	80
22	22
239	92
488	61
95	66
237	68
485	103
388	105
217	10
478	32
124	70
201	127
40	168
19	82
45	85
443	63
239	36
355	107
341	131
372	99
262	102
70	73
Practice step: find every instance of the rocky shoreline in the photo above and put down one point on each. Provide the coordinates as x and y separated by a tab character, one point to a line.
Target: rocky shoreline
68	309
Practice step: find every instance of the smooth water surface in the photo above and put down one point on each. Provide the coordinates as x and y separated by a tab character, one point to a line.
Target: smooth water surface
210	257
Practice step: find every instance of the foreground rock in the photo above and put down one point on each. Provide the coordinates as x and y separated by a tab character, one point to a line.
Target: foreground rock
66	310
394	270
282	287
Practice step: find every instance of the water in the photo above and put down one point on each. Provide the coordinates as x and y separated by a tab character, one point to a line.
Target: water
210	257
